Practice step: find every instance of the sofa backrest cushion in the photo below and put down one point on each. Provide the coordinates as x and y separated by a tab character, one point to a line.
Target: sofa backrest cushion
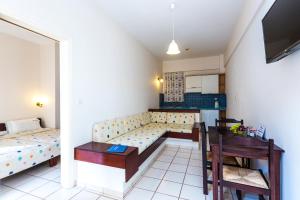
180	118
132	122
145	118
158	117
107	130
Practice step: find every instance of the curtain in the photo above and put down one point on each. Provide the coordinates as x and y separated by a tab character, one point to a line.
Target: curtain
174	87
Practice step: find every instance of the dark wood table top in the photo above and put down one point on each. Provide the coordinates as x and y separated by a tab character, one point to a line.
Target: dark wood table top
98	147
236	142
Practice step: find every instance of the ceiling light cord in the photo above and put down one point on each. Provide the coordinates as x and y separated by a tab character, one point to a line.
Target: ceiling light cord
173	47
173	20
173	25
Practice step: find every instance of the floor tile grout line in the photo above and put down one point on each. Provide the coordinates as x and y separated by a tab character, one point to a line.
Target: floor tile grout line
163	176
25	193
174	181
134	185
160	180
77	193
184	177
34	188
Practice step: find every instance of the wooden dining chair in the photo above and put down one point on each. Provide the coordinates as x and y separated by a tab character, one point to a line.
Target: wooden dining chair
248	180
224	121
207	158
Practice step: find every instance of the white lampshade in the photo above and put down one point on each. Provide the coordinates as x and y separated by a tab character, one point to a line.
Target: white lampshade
173	48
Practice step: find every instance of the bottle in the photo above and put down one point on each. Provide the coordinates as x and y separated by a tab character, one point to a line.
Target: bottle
216	103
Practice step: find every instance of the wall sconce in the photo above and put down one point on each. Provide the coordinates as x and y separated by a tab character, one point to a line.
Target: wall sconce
39	104
40	101
161	80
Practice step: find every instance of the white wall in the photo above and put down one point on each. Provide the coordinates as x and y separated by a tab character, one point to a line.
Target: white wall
47	85
111	74
28	72
20	80
212	64
248	12
267	94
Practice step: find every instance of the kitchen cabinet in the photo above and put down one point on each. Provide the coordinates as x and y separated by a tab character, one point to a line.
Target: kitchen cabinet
193	84
207	84
210	84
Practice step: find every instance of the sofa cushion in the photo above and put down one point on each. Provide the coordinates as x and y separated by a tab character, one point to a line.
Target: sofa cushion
145	118
108	130
180	118
140	138
180	128
156	127
158	117
132	122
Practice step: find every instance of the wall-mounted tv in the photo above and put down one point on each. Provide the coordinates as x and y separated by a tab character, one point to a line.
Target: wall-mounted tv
281	27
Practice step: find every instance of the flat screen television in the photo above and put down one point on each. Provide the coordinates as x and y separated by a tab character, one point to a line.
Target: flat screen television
281	27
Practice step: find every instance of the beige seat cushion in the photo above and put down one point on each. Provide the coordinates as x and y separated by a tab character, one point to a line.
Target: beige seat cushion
154	127
141	138
180	128
209	156
244	176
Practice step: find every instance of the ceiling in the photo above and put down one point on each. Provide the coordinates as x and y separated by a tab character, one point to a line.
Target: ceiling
202	26
21	33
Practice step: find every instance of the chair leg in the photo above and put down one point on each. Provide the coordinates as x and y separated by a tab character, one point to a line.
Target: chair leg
239	194
205	187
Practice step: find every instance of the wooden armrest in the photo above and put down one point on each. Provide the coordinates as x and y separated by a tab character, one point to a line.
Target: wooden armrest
196	131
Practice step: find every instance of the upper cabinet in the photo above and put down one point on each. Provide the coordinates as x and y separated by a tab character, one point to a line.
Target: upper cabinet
205	84
193	84
210	84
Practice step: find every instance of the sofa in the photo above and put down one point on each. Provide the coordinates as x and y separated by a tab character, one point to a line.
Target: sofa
143	129
144	133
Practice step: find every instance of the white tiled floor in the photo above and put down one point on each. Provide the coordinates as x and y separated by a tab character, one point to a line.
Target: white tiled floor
42	182
175	175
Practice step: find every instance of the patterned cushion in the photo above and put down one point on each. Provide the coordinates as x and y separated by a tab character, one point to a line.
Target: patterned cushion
181	118
158	117
108	129
180	128
132	122
141	138
152	122
156	127
145	118
244	176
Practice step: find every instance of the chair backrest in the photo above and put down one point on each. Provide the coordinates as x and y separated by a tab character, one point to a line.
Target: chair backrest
223	122
204	156
265	152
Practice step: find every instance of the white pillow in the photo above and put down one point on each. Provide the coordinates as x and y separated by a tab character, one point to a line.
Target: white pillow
17	126
3	133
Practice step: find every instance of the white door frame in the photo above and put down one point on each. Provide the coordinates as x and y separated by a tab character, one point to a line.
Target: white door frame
67	155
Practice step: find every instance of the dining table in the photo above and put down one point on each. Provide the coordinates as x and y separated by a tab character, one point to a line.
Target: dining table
239	146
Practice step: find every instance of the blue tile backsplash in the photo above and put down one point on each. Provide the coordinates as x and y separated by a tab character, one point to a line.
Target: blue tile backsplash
199	100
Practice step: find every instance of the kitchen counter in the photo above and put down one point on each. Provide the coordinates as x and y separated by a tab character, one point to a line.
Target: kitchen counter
191	108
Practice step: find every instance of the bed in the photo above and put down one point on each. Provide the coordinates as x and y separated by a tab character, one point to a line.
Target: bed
26	149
